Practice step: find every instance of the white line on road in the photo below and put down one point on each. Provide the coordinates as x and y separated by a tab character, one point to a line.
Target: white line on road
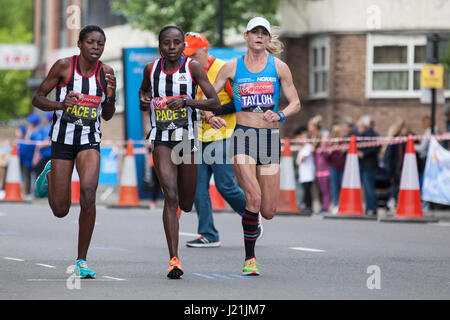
112	278
65	280
306	249
45	265
13	259
441	224
188	234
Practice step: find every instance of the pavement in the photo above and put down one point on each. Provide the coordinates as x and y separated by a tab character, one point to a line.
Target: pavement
302	258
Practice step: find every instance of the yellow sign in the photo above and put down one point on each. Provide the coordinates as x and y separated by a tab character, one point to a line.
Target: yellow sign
432	76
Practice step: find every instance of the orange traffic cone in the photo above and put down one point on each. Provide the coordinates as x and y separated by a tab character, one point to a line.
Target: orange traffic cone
350	200
75	186
409	207
288	197
13	178
217	201
128	194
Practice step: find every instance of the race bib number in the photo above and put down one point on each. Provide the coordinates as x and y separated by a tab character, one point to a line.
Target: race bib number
84	112
257	97
167	119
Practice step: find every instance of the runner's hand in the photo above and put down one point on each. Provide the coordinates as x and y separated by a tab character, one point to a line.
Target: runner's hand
217	122
175	103
110	85
144	102
271	116
70	100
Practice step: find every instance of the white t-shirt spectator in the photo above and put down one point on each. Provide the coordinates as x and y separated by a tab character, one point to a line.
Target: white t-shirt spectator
306	169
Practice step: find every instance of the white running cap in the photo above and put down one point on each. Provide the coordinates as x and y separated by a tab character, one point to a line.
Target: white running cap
258	21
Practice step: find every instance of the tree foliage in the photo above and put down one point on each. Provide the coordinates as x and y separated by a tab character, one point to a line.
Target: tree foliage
195	15
16	25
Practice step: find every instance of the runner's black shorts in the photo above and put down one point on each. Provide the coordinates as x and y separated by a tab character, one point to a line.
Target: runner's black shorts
190	146
263	145
69	152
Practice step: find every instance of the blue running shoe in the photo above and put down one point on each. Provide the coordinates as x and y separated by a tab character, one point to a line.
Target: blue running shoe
82	270
42	182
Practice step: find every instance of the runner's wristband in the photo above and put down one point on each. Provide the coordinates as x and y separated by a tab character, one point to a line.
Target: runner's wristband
282	116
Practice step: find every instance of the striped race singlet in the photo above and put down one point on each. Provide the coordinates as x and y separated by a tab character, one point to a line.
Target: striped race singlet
80	124
256	92
168	125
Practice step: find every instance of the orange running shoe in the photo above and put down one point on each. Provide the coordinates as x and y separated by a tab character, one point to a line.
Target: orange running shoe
175	271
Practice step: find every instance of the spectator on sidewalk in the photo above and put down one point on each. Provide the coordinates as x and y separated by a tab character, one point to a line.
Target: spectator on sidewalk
28	136
306	173
320	162
336	161
422	147
368	164
392	158
44	150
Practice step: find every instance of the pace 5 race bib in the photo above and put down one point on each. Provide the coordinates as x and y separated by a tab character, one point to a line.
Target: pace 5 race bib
257	96
84	112
167	119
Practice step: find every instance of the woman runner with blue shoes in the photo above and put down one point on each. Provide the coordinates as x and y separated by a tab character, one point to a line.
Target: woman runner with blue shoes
85	89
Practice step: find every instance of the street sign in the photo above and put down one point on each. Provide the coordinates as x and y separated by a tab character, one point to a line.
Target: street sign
18	56
425	96
432	76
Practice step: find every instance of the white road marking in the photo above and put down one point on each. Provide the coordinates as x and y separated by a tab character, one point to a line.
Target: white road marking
189	234
112	278
441	224
45	265
65	280
306	249
13	259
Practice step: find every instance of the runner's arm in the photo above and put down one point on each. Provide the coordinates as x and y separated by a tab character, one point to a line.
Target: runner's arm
109	106
289	91
54	78
145	91
211	102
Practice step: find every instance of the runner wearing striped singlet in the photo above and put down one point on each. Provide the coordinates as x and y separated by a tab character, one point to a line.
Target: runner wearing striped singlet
85	90
257	79
167	93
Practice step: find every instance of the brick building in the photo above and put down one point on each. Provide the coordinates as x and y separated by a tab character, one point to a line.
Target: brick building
350	58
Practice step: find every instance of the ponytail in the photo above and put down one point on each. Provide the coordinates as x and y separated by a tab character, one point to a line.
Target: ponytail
275	46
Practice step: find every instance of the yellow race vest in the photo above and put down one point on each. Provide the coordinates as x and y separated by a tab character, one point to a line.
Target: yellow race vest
205	132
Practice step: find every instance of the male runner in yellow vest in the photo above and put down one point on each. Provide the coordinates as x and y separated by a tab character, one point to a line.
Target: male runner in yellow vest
214	151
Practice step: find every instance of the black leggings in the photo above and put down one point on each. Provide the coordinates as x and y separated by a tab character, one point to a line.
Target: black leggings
307	198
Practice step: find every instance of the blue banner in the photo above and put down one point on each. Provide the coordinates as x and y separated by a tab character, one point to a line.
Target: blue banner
109	167
436	180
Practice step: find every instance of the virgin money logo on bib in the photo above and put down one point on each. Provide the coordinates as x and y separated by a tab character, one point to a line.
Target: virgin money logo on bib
161	102
256	94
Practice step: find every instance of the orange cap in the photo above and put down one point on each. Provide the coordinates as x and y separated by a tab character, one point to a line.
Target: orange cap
194	41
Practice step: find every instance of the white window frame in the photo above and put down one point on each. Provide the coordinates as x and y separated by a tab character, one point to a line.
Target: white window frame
376	40
410	41
318	43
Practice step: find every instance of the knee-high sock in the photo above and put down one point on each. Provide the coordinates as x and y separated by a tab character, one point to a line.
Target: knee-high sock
250	226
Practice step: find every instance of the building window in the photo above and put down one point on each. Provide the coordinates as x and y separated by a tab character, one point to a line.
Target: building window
393	65
319	52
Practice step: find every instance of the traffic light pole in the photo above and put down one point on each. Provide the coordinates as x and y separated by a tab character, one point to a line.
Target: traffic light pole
433	57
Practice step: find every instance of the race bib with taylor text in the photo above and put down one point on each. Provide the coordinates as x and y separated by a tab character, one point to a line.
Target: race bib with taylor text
257	96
